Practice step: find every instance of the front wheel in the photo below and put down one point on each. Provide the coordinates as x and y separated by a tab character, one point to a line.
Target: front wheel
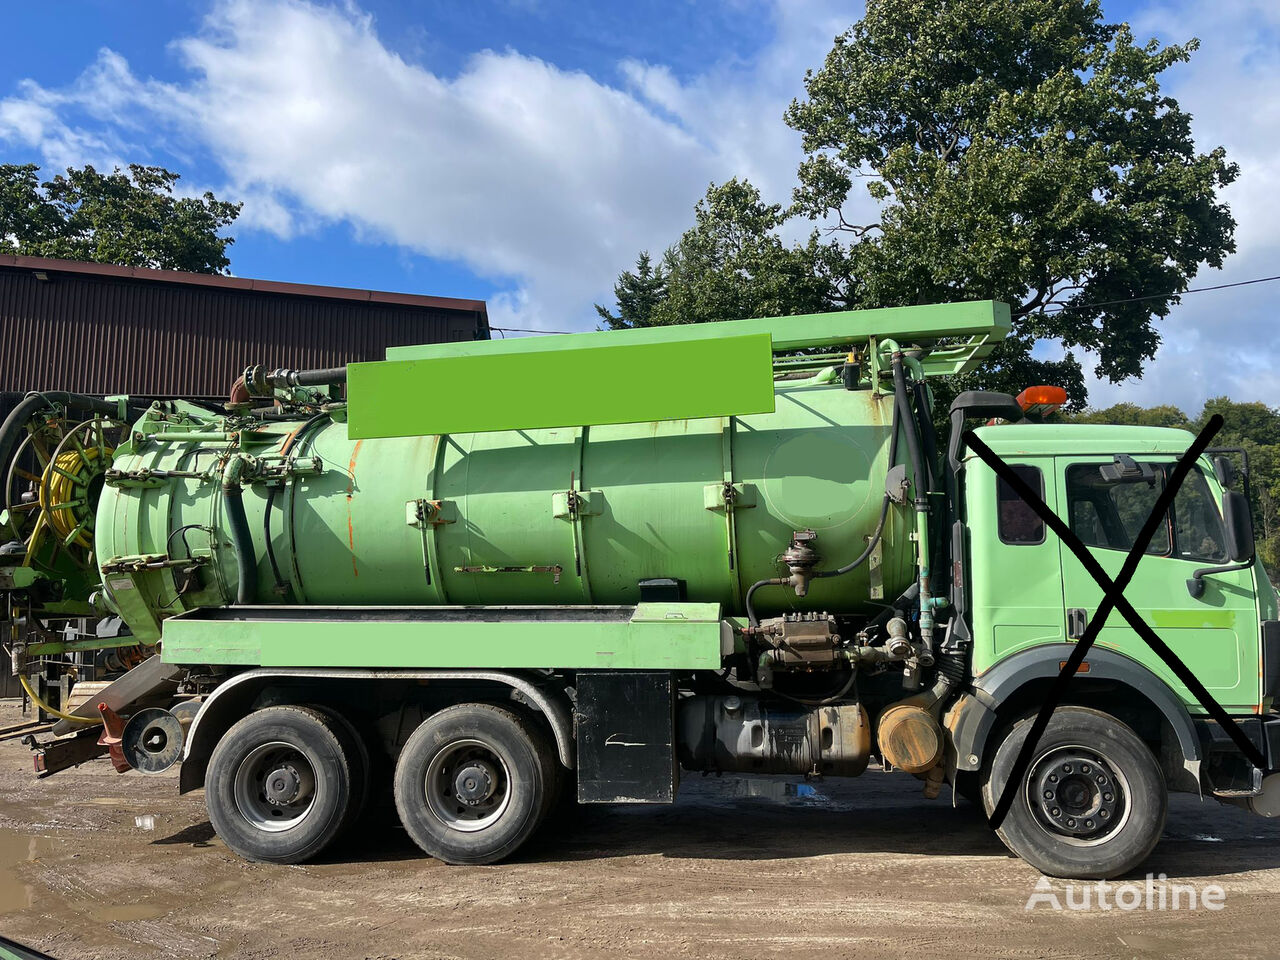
1093	801
473	782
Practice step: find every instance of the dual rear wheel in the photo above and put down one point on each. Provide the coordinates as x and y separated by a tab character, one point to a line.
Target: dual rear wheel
472	783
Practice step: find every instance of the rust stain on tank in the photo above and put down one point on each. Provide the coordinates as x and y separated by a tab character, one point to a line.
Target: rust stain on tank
351	486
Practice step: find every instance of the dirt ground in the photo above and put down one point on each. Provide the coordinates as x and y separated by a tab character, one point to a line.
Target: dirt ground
864	868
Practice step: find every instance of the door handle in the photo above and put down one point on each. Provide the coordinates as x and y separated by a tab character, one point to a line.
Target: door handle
1077	622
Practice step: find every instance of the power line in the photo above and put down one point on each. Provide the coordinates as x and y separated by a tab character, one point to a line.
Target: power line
530	330
1052	308
1064	307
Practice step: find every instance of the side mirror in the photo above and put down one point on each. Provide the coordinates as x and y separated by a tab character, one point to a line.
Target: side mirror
1226	471
1239	524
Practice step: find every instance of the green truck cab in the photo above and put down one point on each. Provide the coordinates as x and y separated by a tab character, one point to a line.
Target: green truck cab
1030	598
516	574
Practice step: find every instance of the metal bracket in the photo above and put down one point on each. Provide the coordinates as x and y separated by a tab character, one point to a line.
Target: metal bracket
728	496
150	561
571	504
554	568
112	736
420	513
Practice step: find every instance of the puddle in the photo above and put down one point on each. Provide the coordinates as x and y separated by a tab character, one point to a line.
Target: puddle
16	849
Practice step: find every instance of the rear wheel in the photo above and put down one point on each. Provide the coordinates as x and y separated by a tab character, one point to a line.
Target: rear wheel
473	782
279	784
1092	804
353	745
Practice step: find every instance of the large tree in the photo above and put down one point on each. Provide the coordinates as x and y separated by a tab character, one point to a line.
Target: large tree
1020	150
132	219
730	264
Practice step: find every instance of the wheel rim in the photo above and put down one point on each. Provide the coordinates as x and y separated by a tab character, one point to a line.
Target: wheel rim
1078	794
275	787
468	786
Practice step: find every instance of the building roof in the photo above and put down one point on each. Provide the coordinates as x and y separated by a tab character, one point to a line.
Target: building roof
246	284
103	329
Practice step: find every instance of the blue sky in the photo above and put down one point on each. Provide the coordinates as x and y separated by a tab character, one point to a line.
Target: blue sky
523	151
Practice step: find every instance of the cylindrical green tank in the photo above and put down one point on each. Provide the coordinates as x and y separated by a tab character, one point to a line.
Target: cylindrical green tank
563	516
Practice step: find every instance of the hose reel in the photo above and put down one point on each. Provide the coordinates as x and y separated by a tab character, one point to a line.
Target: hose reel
59	501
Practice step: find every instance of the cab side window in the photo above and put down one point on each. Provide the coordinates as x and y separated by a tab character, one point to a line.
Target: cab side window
1019	523
1109	514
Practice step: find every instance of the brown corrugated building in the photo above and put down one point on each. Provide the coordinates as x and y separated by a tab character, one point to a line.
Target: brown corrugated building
102	329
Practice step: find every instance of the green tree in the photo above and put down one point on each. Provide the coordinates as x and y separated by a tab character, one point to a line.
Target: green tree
132	219
1019	150
637	294
1130	414
729	265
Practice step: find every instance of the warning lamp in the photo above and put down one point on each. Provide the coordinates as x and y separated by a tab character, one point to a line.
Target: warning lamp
1041	401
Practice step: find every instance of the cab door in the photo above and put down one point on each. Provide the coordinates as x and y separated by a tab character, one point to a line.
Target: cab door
1015	572
1105	501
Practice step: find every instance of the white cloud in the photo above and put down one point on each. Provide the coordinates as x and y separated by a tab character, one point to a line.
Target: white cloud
549	181
1224	342
546	180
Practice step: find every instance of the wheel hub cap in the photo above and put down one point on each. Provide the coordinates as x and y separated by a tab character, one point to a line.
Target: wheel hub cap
474	783
282	785
1076	794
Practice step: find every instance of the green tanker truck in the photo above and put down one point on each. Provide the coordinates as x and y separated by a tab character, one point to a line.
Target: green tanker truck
496	576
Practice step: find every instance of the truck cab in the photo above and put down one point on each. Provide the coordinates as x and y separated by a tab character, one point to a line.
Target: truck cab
1198	585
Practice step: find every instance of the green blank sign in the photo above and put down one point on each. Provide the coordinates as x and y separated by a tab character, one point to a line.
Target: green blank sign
624	383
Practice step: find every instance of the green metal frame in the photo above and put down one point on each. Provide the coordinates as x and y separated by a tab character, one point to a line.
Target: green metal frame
961	334
654	636
683	372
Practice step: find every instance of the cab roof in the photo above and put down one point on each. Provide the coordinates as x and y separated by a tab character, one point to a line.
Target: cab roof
1048	439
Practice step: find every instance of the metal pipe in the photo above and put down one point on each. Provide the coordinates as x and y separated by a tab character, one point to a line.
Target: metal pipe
920	499
281	585
318	378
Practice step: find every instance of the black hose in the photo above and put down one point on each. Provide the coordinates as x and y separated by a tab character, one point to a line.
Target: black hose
280	582
751	611
823	701
928	433
241	542
320	378
884	510
16	421
920	484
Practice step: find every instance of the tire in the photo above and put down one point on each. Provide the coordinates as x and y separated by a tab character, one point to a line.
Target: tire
512	786
1092	804
307	748
353	745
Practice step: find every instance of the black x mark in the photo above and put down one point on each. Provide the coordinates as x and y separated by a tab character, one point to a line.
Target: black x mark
1113	598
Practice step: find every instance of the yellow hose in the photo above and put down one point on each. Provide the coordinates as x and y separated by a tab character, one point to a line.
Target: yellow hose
59	488
48	709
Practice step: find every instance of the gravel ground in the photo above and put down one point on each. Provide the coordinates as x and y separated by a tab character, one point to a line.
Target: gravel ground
863	868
